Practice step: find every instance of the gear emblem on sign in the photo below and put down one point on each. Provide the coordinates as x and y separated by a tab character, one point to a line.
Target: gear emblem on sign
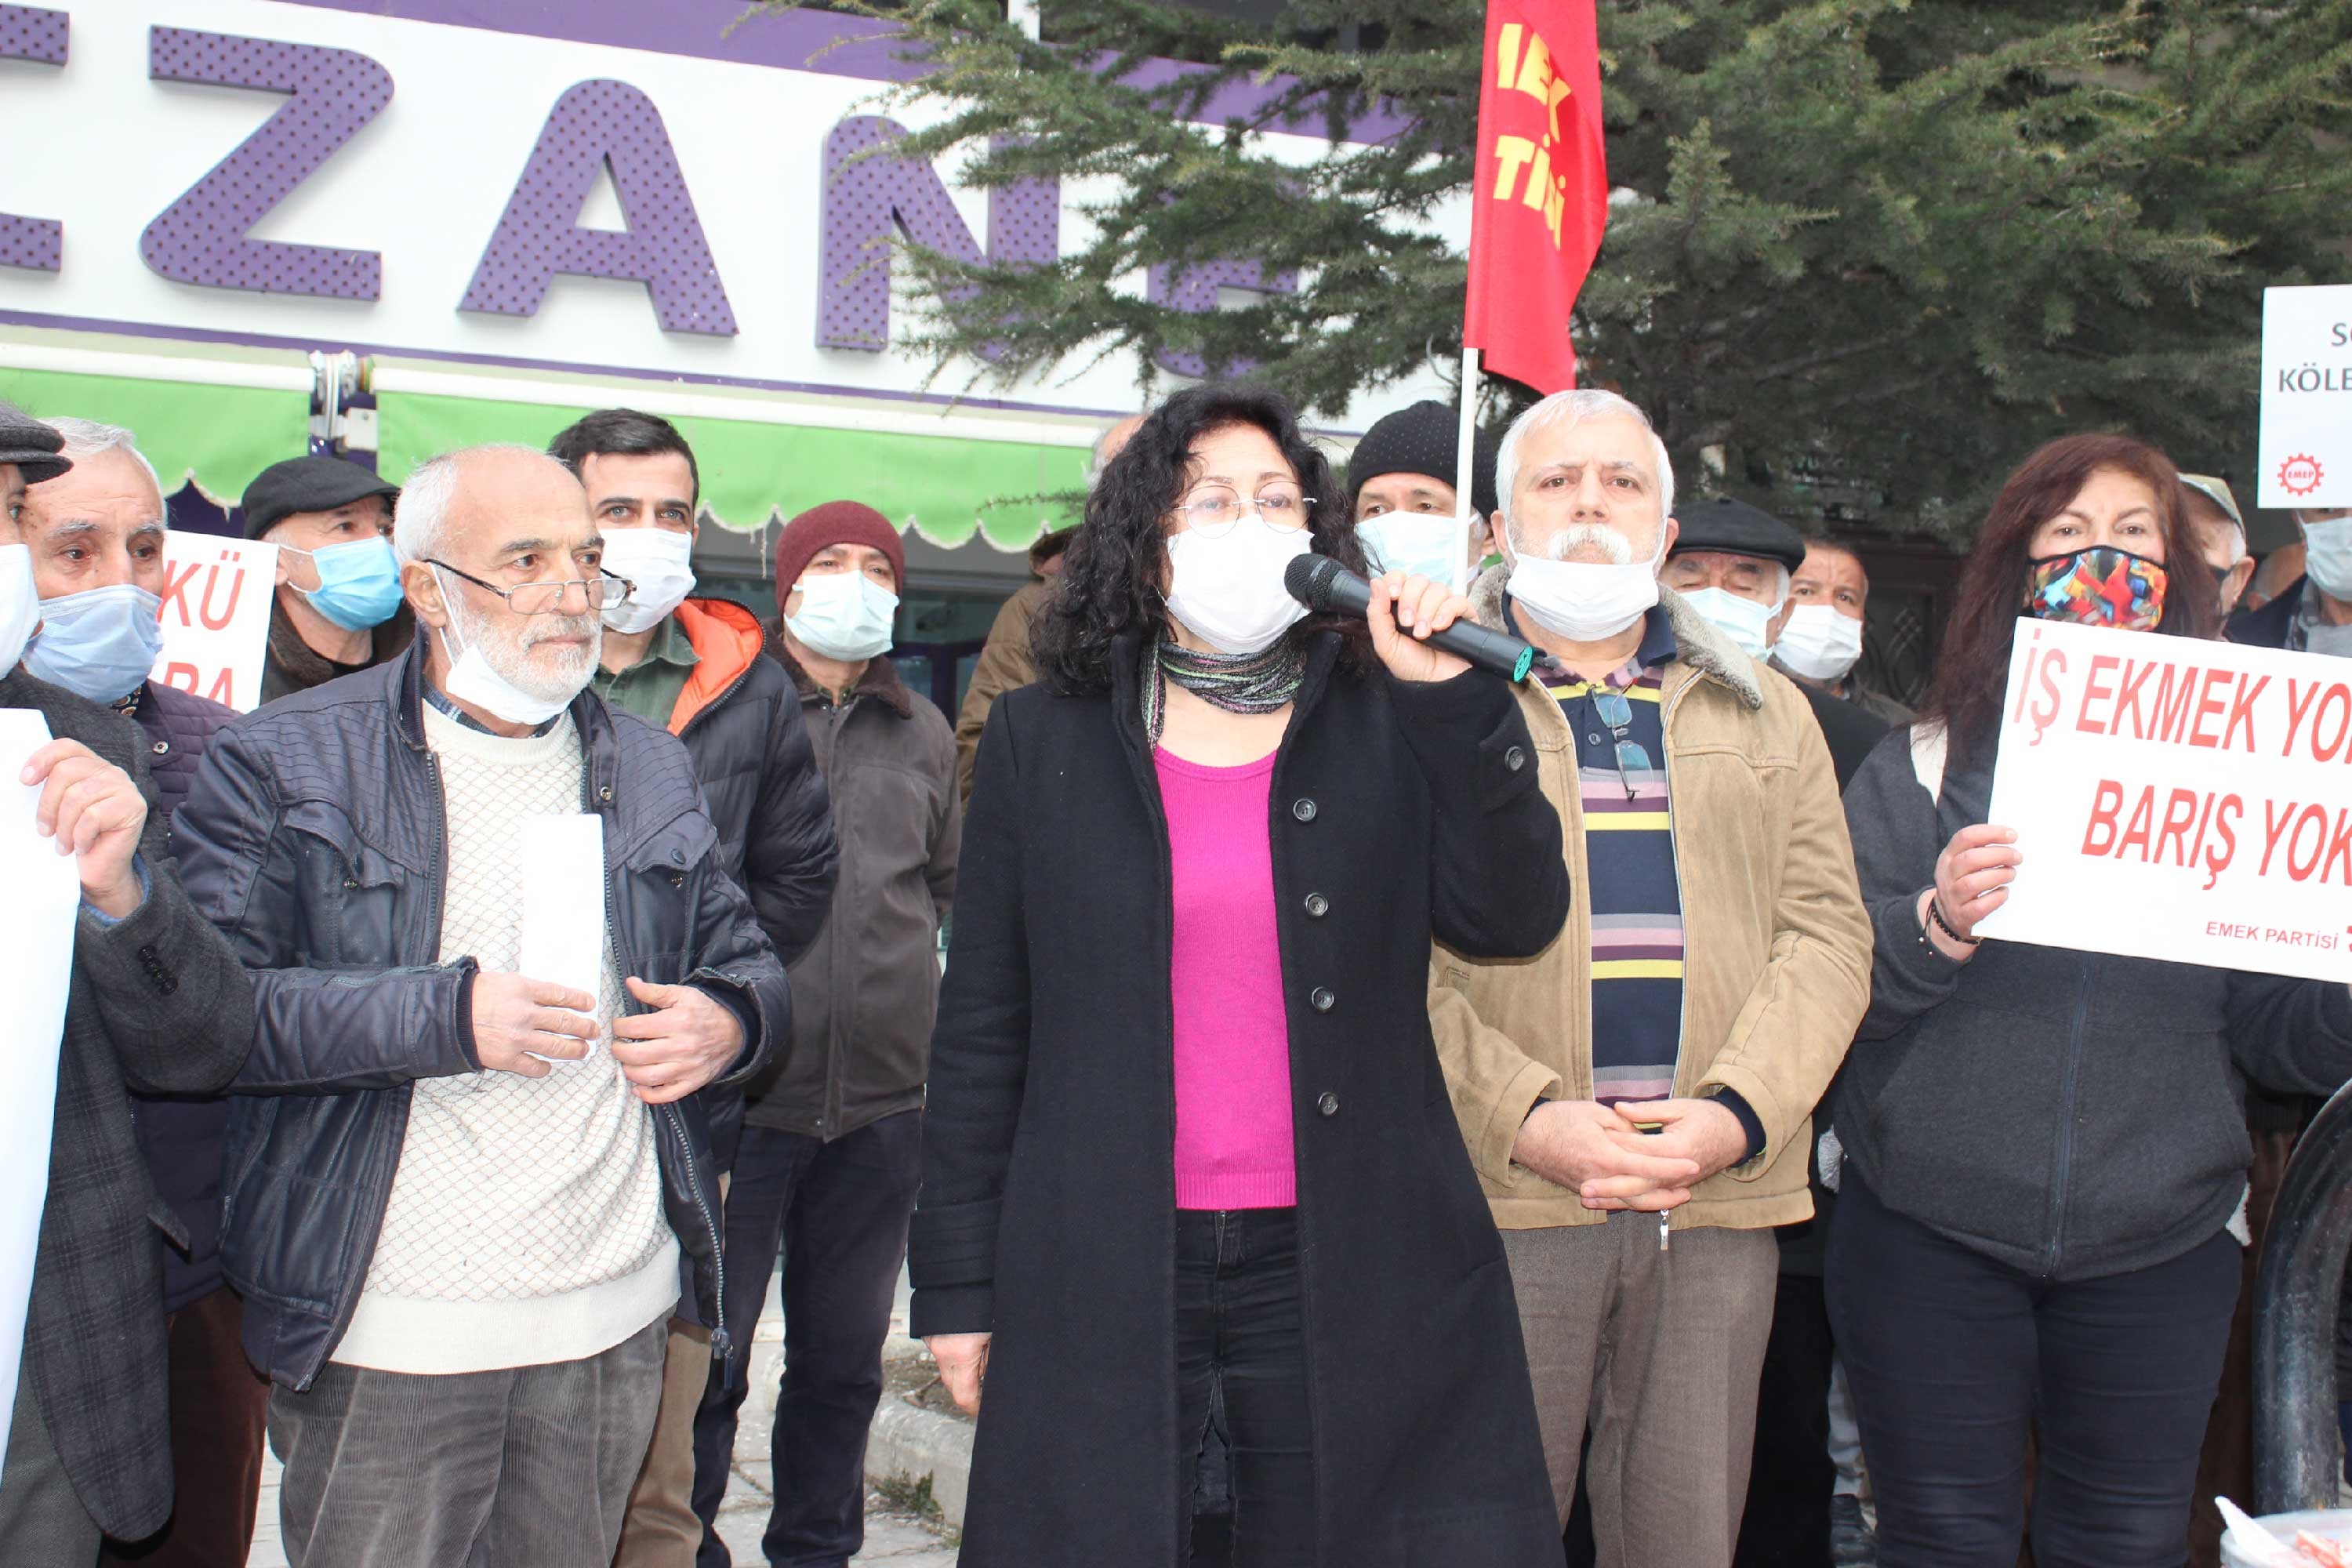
2299	475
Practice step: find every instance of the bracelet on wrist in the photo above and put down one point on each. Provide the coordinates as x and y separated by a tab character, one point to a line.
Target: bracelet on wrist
1935	914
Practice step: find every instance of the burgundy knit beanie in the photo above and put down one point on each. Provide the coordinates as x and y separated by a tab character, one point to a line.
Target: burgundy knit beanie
835	523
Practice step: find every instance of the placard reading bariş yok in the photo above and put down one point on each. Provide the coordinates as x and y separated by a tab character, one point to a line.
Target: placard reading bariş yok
2178	799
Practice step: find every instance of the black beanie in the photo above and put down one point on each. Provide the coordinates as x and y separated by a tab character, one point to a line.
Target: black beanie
1421	440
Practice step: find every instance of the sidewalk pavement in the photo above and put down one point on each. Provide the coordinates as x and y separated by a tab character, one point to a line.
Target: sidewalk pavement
893	1536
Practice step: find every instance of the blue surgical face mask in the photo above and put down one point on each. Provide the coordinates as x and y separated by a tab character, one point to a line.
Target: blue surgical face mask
1744	621
2328	556
1416	544
844	615
359	582
99	644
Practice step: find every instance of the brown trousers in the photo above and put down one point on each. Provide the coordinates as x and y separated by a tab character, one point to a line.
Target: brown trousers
220	1408
1658	1352
661	1530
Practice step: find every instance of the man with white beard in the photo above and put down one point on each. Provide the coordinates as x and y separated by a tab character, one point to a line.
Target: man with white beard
1637	1098
464	1201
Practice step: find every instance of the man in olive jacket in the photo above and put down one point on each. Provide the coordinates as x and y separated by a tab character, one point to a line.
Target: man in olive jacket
1637	1098
156	1001
697	666
833	1133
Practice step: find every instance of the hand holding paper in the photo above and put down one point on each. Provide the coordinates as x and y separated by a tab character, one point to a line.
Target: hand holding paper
1972	879
685	1042
521	1025
95	812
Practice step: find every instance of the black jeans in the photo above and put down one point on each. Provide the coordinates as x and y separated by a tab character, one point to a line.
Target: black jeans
1953	1357
1240	1374
838	1212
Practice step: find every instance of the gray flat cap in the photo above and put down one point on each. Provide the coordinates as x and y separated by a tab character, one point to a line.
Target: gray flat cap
32	446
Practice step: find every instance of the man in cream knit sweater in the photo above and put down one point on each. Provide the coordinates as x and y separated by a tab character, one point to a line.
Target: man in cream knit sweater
461	1196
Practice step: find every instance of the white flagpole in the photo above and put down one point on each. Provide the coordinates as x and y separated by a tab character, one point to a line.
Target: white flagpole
1465	443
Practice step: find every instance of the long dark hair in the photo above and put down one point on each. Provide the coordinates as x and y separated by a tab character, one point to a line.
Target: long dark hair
1110	585
1972	665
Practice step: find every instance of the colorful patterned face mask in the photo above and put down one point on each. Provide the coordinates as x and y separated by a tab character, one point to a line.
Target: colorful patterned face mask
2102	586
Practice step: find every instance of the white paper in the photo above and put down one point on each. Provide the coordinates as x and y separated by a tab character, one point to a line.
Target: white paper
215	617
2178	799
563	900
36	932
2306	430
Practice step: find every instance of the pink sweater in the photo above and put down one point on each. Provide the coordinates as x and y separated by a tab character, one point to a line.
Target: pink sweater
1234	1144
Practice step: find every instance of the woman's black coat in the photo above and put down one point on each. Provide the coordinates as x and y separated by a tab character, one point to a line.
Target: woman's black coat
1398	811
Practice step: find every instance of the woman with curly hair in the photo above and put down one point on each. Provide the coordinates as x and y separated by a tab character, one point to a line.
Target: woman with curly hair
1190	1176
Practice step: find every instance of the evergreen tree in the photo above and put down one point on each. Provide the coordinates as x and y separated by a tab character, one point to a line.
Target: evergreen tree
1863	256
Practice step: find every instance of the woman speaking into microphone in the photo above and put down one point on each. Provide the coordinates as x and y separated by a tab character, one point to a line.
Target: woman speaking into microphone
1190	1177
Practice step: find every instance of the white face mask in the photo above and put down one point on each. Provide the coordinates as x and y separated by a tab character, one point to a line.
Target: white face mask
1820	642
1744	621
2328	556
1416	544
493	675
658	564
1586	601
20	603
842	614
1228	591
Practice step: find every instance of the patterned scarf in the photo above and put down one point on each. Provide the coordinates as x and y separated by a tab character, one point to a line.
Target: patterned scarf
1239	683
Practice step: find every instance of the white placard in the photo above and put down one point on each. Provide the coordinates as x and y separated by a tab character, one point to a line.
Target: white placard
2178	799
2306	435
36	931
216	597
563	900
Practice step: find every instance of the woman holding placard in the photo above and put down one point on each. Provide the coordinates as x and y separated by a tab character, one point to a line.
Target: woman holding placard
2043	1148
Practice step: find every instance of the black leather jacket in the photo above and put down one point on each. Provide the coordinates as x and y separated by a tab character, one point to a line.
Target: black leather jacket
313	836
182	1140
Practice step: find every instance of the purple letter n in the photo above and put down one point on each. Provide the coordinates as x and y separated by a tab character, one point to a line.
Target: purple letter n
592	125
865	198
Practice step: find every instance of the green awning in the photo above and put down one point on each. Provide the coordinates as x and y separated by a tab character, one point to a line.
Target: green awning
217	428
946	487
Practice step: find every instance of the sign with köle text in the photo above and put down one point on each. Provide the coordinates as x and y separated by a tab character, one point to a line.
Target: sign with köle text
2306	434
216	597
2178	799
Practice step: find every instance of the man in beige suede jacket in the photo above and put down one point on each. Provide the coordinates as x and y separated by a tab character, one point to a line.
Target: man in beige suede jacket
1638	1098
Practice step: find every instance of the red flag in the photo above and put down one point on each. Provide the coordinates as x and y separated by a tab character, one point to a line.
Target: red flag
1539	191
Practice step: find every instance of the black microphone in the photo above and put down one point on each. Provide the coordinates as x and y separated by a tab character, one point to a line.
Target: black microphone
1323	584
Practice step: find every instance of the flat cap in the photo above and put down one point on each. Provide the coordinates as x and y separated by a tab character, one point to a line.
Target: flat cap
315	483
32	446
1732	527
2218	492
1421	440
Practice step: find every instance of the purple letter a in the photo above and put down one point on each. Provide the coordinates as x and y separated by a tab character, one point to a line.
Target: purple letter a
594	125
